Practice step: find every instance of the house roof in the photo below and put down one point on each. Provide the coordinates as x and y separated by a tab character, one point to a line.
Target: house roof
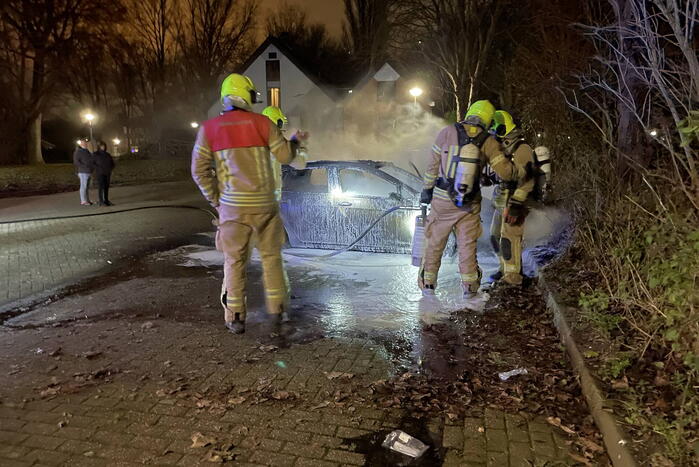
387	68
329	90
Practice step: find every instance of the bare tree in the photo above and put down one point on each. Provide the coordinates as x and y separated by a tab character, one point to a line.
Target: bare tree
455	36
310	42
213	36
649	66
40	37
367	30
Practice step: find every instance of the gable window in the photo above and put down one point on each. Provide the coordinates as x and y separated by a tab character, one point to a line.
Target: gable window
274	97
272	55
272	69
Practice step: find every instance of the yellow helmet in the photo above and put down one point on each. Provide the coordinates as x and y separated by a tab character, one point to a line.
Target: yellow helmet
276	115
480	114
238	91
503	124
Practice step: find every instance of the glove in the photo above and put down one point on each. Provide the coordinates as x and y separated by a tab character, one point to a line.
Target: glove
300	137
426	196
515	212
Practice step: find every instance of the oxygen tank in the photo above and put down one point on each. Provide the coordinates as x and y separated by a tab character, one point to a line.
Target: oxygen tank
418	246
543	178
467	173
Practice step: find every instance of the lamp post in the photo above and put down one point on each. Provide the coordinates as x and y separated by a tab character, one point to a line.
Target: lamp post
415	92
116	142
89	117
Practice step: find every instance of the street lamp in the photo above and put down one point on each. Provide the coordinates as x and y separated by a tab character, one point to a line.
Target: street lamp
415	92
116	142
194	125
89	116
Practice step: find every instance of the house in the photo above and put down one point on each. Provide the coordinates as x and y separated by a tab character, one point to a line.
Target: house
374	118
283	81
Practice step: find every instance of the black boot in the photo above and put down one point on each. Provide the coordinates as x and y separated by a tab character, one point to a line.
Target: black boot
495	277
237	326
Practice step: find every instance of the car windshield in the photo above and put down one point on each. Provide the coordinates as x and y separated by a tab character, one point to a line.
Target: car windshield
404	176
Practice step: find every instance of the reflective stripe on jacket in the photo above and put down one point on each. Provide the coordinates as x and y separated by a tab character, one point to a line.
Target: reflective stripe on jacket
231	162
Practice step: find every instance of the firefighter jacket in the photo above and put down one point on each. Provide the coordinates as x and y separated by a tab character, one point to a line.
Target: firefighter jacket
447	145
232	166
521	154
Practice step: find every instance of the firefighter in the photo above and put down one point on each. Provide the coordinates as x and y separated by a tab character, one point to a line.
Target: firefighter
241	186
510	201
277	117
451	185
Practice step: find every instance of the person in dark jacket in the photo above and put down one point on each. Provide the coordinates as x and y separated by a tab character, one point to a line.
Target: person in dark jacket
104	164
84	165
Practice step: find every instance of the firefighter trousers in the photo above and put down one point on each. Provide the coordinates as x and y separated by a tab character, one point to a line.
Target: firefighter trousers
234	238
444	218
507	243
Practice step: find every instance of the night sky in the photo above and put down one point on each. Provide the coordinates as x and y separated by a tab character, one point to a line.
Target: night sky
329	12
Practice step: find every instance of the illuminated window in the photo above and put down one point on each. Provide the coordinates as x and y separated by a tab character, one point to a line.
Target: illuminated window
274	97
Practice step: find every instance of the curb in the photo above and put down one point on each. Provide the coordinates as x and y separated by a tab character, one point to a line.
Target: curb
614	438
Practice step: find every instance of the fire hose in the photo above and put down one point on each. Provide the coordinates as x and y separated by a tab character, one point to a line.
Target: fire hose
214	217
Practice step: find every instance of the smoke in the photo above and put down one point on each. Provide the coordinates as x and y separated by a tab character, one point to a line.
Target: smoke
400	134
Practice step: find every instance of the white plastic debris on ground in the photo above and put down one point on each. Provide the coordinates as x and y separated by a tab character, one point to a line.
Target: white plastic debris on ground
402	442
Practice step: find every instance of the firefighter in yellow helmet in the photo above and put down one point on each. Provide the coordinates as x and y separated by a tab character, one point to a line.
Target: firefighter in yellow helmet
509	201
451	185
237	144
277	117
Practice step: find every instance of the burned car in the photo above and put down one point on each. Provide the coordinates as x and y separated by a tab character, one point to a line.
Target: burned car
329	204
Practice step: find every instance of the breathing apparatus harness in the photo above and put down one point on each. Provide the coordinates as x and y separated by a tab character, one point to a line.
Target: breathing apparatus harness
542	176
462	177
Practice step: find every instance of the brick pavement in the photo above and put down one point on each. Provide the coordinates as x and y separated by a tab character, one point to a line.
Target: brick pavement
173	380
38	257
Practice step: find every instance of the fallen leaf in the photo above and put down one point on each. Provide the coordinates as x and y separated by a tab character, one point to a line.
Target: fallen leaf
50	391
268	348
200	441
203	403
621	383
555	421
322	405
339	374
236	400
590	445
281	395
55	352
146	325
92	354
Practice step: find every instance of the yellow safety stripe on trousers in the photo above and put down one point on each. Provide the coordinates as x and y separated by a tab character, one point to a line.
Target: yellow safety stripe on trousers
247	199
235	301
512	267
470	277
441	194
429	276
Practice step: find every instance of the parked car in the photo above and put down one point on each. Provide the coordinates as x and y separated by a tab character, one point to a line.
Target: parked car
329	204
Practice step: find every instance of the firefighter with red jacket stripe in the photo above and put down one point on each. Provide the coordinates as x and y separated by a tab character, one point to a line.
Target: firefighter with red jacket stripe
237	146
